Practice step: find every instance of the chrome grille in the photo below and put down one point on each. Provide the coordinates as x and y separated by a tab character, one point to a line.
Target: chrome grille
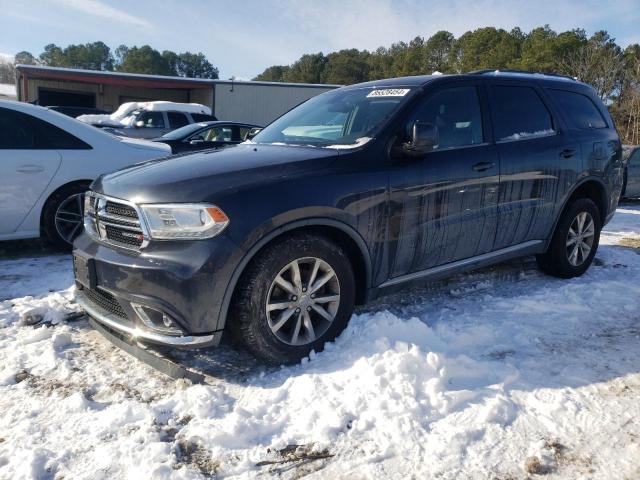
114	221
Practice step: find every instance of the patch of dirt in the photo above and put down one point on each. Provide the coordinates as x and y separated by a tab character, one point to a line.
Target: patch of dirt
297	460
190	453
630	242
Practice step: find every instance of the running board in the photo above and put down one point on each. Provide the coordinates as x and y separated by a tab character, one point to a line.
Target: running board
521	249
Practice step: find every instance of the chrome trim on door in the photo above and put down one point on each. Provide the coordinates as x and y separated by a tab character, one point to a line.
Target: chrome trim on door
461	263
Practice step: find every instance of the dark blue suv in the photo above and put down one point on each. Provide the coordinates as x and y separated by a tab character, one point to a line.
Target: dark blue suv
355	192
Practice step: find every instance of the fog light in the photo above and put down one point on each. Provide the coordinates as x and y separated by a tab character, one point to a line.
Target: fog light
156	320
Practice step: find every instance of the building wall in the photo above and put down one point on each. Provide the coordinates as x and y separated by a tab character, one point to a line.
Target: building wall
109	97
259	104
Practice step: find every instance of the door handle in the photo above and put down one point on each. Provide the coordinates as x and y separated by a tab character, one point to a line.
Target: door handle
30	169
482	166
568	153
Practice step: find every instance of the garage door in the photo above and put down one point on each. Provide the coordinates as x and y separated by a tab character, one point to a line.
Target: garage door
49	98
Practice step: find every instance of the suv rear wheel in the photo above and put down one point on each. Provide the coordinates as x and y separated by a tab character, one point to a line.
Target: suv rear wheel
575	241
296	295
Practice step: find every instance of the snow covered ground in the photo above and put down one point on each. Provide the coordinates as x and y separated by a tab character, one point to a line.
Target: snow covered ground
503	373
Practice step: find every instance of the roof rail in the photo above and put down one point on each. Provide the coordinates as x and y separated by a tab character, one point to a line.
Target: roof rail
525	72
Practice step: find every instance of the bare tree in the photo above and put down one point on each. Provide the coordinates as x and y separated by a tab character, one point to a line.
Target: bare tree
628	105
599	62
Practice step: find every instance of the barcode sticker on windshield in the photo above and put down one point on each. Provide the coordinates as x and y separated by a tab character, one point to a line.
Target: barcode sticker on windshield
389	92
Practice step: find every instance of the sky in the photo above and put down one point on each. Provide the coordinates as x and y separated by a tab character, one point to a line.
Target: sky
242	38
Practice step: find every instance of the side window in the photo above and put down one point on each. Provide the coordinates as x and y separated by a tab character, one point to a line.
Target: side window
152	119
215	134
580	109
177	119
201	117
244	131
16	132
519	113
20	131
51	137
457	114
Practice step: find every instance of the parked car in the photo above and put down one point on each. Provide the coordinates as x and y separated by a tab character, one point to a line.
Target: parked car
75	112
358	191
631	185
149	119
204	135
48	161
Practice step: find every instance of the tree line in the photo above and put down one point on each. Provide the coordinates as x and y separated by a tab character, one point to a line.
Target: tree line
614	72
98	56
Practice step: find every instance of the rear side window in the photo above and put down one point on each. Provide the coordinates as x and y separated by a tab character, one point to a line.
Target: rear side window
519	113
19	131
580	109
177	119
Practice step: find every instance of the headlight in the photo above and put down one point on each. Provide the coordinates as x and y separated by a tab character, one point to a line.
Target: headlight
182	221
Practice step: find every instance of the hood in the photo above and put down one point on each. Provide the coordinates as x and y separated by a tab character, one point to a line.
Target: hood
202	176
144	144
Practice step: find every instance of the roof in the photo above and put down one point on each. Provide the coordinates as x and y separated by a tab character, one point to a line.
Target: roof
421	80
141	79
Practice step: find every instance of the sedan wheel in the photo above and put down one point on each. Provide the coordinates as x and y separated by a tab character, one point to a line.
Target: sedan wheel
68	217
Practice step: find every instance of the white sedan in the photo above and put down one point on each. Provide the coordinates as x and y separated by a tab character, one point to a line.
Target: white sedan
47	161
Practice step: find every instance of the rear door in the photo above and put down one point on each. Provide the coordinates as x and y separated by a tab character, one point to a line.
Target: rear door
538	161
444	203
177	120
27	166
633	175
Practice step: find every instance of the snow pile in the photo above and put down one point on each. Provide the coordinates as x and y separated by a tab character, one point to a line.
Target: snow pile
122	116
521	135
501	373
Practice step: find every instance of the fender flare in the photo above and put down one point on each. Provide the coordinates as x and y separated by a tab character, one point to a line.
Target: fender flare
566	201
264	240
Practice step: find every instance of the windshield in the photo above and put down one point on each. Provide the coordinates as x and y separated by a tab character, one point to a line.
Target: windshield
341	118
183	132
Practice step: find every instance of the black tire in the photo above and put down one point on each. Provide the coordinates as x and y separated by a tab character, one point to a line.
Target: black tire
555	261
624	185
248	320
49	231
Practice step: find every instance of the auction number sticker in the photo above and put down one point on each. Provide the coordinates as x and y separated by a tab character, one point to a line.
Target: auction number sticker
389	92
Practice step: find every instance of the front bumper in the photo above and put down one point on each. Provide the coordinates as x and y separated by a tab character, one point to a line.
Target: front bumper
136	333
187	281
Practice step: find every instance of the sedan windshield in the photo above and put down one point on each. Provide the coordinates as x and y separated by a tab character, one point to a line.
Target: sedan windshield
341	118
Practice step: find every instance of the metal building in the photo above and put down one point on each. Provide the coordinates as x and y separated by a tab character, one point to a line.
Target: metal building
251	102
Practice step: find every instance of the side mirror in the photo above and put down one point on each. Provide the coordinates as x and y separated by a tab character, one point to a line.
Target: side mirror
424	137
139	124
252	133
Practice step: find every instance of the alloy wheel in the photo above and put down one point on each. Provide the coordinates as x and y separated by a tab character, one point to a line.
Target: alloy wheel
580	238
69	217
303	301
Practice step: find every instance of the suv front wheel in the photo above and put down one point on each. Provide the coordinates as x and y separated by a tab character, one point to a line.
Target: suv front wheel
575	241
296	295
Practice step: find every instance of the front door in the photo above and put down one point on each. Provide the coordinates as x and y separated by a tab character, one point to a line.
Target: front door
444	204
154	124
